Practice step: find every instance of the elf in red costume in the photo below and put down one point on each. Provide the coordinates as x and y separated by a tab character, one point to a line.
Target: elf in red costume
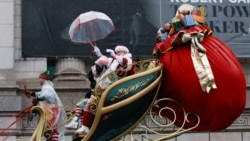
200	72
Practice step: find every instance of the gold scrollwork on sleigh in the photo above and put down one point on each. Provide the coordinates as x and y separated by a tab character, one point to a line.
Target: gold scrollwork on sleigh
164	128
125	91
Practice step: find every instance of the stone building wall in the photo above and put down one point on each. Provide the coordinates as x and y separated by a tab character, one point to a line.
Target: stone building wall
16	71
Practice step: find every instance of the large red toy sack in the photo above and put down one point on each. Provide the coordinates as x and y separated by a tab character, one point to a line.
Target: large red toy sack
201	74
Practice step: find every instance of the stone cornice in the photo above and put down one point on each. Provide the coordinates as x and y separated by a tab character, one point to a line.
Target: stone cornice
9	88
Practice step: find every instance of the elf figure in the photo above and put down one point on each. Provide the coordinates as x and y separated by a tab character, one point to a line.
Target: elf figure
51	103
94	75
89	107
77	119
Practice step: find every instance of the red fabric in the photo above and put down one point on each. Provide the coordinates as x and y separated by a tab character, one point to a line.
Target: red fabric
55	112
216	109
88	118
131	71
124	62
53	133
78	111
45	77
122	73
55	136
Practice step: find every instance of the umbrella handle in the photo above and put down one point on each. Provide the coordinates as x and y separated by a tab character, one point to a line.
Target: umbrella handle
92	44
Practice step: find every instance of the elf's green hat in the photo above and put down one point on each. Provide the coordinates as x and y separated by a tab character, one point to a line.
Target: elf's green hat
48	74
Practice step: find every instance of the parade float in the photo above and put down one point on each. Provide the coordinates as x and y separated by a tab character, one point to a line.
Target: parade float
194	80
117	104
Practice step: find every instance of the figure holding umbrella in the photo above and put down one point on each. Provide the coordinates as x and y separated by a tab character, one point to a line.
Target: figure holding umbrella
88	28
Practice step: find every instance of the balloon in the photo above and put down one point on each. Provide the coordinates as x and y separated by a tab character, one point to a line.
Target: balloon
217	108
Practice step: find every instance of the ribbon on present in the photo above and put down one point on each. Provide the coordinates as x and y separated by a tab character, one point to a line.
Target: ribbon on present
200	61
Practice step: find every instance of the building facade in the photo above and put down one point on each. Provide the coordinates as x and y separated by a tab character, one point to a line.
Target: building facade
16	71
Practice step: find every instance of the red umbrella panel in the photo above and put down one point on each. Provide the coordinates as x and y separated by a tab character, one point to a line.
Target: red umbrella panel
90	27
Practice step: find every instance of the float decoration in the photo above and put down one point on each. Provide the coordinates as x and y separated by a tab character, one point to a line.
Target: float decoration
160	134
189	85
133	94
196	70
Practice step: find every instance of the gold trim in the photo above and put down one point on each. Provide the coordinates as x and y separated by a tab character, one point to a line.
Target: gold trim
38	133
175	133
140	67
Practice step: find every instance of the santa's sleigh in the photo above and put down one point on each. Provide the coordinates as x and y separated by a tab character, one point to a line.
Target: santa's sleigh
125	102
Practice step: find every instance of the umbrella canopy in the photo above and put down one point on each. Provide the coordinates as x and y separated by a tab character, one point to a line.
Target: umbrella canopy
90	27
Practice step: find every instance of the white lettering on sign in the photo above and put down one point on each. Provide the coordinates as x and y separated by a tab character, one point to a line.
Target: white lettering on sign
239	1
201	1
211	1
225	18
